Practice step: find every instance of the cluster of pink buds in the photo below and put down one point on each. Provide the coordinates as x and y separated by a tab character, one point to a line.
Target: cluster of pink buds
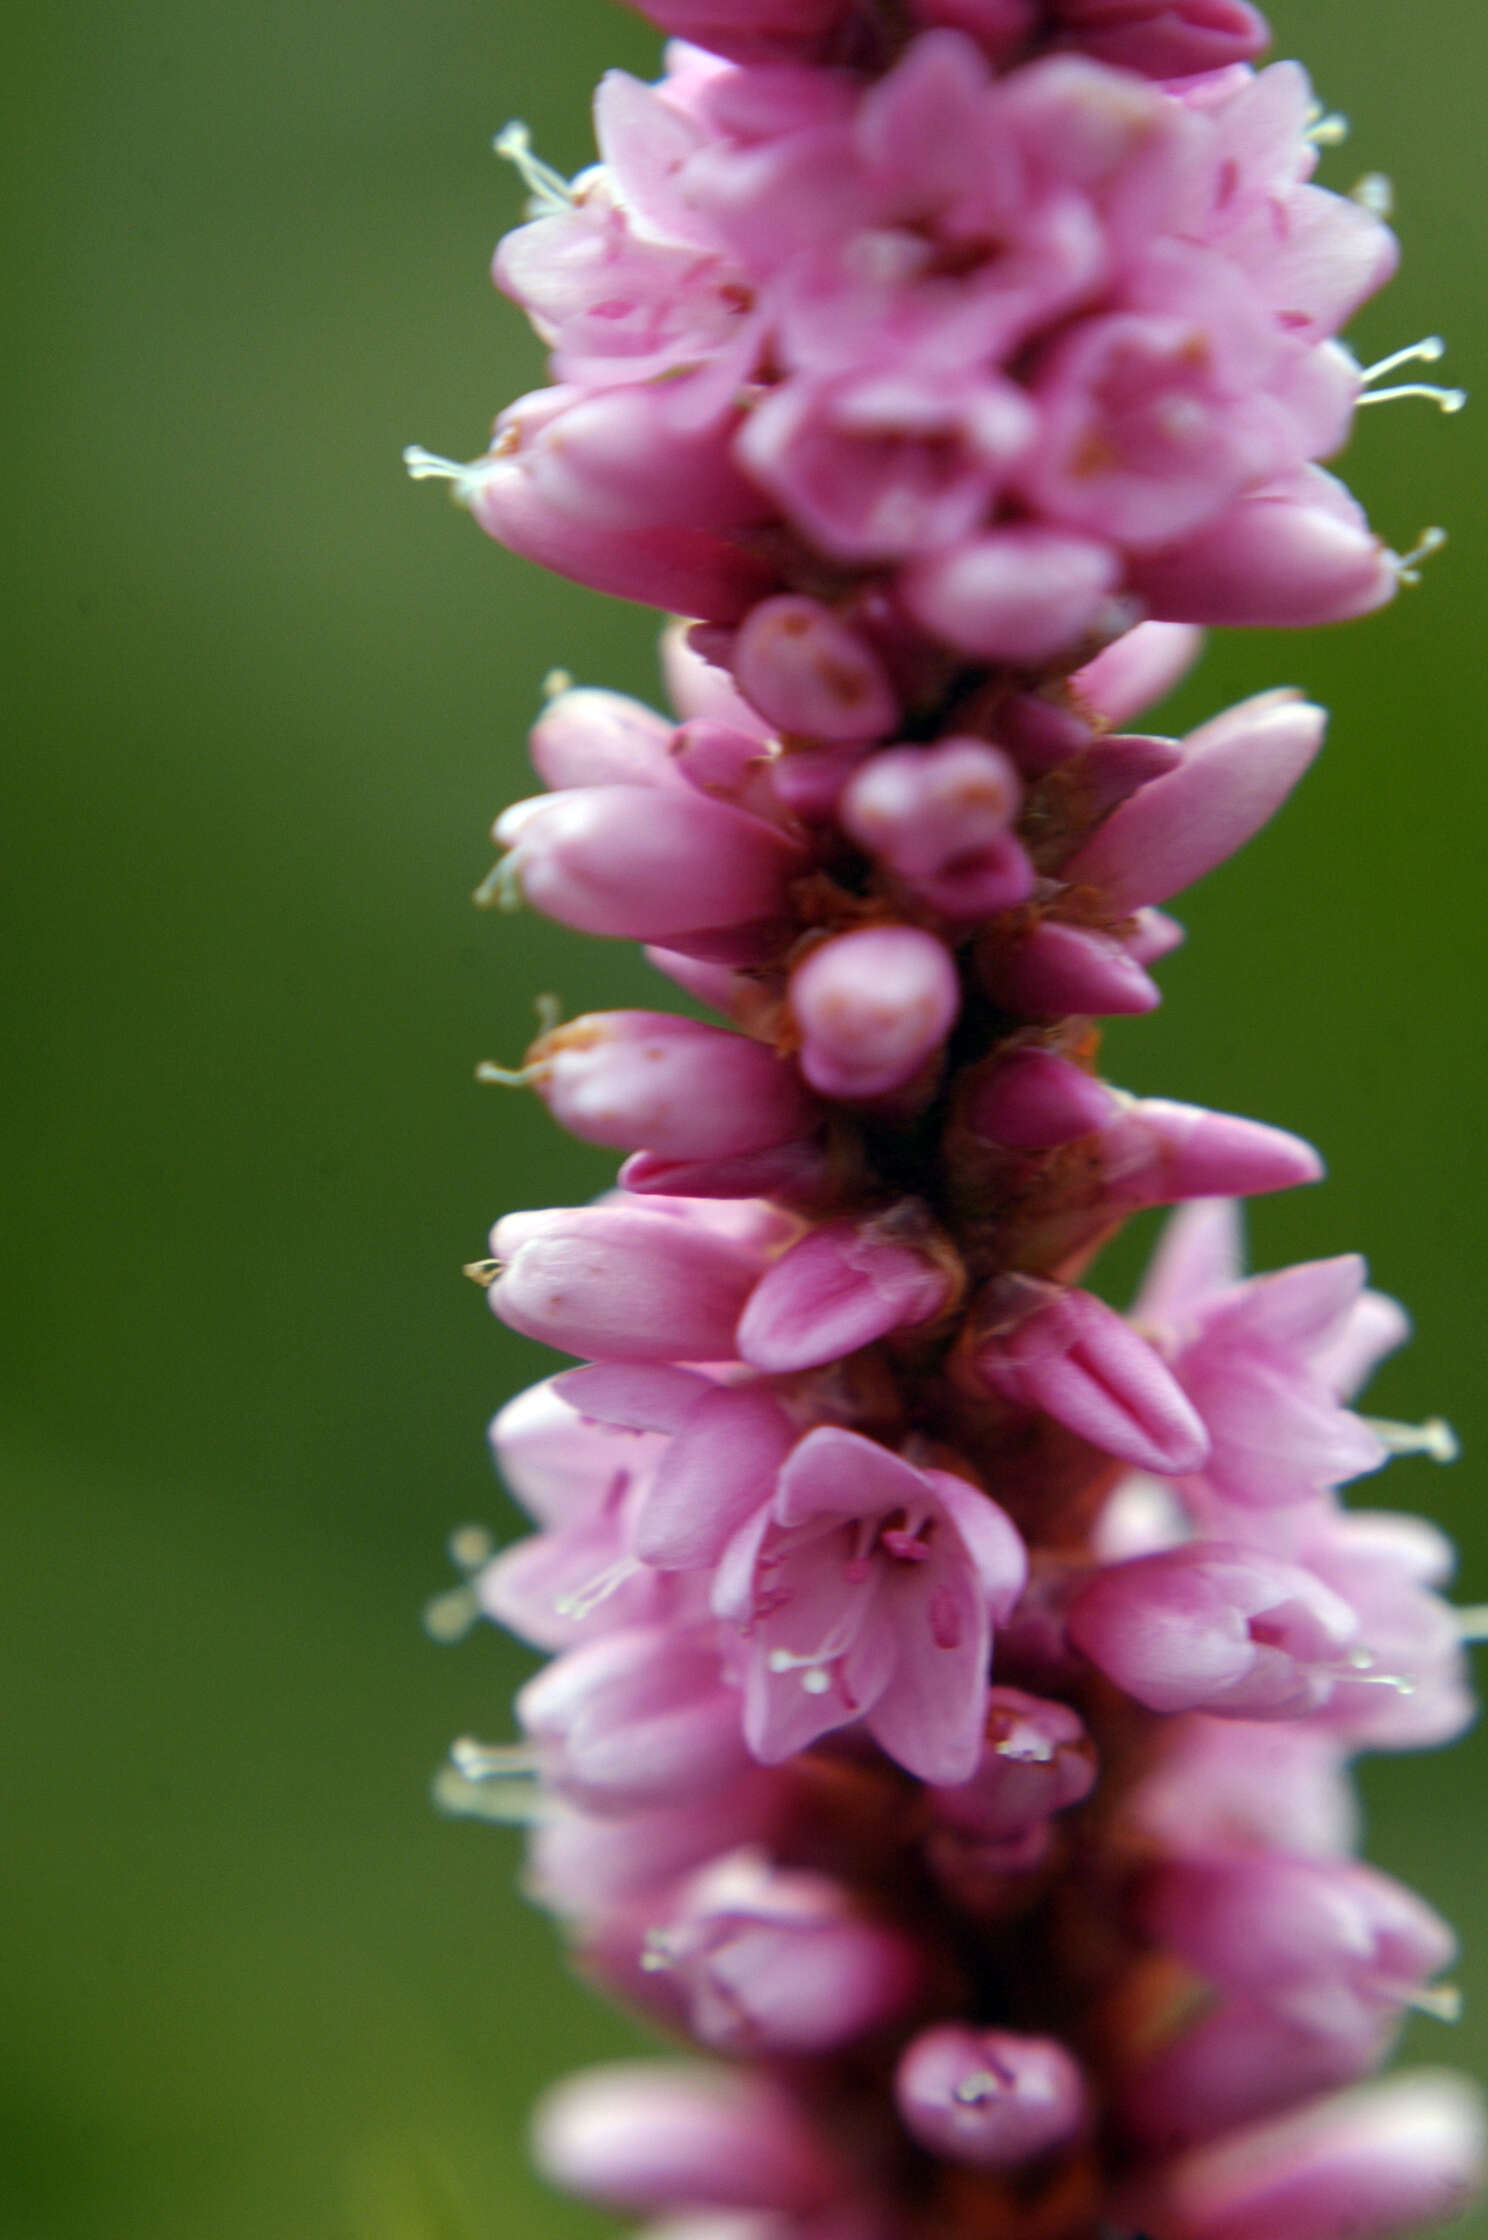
954	1679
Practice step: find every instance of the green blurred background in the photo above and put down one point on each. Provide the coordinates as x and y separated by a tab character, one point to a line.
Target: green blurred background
268	698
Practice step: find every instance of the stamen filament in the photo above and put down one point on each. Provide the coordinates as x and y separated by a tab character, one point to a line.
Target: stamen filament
1434	1438
548	191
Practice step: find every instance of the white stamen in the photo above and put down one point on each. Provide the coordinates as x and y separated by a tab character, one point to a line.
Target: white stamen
1427	352
1408	564
470	1547
428	466
1434	1438
512	1804
815	1678
1445	400
972	2090
501	888
1442	2001
556	683
549	193
549	1009
508	1077
483	1272
659	1952
1326	128
491	1761
1374	193
1472	1623
586	1599
447	1618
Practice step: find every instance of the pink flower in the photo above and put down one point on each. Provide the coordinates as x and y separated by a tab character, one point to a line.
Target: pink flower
866	1590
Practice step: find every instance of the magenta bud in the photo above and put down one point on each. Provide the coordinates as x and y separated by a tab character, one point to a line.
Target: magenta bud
1138	668
809	673
1055	968
621	1285
683	1089
1164	40
1158	1153
587	737
1269	1926
939	818
1289	556
768	1961
1153	935
1034	1101
726	765
646	865
646	2136
745	30
809	780
799	1173
1021	594
1112	769
1067	1353
1210	1627
1243	2061
872	1007
635	1719
1037	1760
1235	773
844	1285
681	568
988	2097
1385	2160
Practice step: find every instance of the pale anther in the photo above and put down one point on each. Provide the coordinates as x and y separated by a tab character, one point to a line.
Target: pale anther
470	1546
1408	564
448	1617
501	888
1375	192
548	191
514	1803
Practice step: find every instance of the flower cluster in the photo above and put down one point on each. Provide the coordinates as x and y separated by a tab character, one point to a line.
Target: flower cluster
954	1680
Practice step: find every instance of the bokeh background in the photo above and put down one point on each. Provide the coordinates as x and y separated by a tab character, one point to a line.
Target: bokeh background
268	698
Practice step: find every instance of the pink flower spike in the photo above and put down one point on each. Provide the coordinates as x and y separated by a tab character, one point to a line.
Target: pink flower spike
872	1007
988	2097
762	1960
1211	1627
646	2136
867	1590
1034	1101
845	1284
1019	594
1385	2160
676	1086
620	1285
1067	1353
809	674
1056	968
1235	774
644	864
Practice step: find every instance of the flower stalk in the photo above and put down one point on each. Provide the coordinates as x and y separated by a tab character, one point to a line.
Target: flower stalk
954	1680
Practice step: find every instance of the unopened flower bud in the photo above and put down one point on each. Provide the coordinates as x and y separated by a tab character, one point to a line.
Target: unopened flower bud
872	1007
988	2097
